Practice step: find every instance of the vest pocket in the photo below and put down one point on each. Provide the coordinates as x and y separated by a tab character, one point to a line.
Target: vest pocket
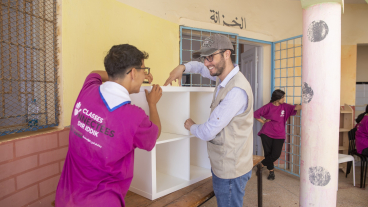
219	140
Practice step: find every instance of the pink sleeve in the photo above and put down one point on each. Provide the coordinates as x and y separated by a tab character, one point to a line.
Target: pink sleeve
92	79
261	112
291	110
366	126
146	135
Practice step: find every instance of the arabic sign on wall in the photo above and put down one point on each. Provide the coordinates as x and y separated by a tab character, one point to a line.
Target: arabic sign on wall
216	18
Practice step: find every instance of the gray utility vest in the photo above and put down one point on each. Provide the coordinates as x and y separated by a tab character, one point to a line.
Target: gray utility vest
231	151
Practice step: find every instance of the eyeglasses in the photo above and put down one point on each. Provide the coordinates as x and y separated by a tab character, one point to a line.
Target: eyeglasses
210	57
146	70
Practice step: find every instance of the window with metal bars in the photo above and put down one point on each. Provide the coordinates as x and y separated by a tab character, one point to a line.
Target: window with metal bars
287	76
190	41
28	66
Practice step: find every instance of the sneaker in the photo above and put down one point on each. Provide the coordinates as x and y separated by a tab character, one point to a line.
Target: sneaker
271	176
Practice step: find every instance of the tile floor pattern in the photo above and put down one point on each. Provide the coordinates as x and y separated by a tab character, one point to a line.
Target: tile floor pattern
284	191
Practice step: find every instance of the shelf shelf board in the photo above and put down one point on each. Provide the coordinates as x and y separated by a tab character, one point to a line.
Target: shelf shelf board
343	148
199	173
169	137
346	112
180	89
166	182
344	130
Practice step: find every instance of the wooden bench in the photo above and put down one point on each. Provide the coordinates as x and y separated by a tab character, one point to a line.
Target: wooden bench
193	195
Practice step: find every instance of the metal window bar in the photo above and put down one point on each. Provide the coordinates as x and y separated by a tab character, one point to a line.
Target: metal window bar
191	40
287	75
28	65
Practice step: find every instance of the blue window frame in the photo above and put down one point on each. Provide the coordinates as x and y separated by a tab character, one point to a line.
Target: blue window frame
190	41
287	76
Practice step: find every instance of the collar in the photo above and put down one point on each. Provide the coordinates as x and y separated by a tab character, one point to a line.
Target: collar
114	95
229	76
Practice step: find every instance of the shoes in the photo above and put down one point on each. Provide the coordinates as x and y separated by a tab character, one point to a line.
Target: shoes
271	176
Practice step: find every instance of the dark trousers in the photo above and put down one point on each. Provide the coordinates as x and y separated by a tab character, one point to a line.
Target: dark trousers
365	152
272	150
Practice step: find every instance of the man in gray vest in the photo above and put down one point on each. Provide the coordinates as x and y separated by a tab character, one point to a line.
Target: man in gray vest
229	130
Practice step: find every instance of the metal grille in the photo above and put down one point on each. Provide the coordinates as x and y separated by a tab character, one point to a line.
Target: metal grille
287	76
361	99
28	63
190	41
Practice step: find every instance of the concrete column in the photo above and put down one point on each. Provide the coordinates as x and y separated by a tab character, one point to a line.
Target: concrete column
321	102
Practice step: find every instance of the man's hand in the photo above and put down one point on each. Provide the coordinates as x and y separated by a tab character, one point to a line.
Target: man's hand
149	77
154	96
177	73
267	120
188	123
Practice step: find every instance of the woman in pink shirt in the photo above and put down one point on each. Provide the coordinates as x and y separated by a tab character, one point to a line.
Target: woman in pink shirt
275	115
361	135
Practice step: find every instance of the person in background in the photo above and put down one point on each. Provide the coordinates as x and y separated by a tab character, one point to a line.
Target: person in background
361	135
105	129
361	116
272	134
229	129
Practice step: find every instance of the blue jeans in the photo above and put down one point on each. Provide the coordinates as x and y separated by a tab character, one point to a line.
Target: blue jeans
230	192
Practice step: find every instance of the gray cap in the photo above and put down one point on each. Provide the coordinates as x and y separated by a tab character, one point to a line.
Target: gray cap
213	43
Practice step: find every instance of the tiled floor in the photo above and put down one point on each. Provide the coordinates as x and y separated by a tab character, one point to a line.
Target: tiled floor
284	191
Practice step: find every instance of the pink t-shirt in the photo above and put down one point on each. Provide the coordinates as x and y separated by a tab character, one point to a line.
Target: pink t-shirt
361	135
278	115
98	167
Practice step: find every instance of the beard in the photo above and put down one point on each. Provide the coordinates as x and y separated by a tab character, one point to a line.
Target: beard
220	67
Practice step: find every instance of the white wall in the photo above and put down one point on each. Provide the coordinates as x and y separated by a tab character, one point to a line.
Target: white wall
277	18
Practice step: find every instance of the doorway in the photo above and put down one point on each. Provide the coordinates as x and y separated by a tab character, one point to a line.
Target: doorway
250	64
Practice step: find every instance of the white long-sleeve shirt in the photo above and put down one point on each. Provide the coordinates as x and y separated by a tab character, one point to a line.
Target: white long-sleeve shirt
234	103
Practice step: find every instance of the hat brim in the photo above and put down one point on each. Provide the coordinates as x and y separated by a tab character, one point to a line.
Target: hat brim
204	51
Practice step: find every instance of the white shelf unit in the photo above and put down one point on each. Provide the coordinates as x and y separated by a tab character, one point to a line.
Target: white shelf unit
179	159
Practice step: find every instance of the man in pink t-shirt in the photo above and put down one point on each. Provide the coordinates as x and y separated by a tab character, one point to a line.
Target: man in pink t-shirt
105	129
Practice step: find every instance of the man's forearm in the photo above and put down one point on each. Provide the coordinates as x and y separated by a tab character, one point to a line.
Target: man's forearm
155	119
198	67
298	107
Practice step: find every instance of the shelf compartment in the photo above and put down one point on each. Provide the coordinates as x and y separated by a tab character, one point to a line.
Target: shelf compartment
200	103
344	130
199	173
173	109
172	158
200	166
168	183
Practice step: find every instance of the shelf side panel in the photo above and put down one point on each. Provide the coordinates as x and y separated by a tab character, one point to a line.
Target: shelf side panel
139	99
144	179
